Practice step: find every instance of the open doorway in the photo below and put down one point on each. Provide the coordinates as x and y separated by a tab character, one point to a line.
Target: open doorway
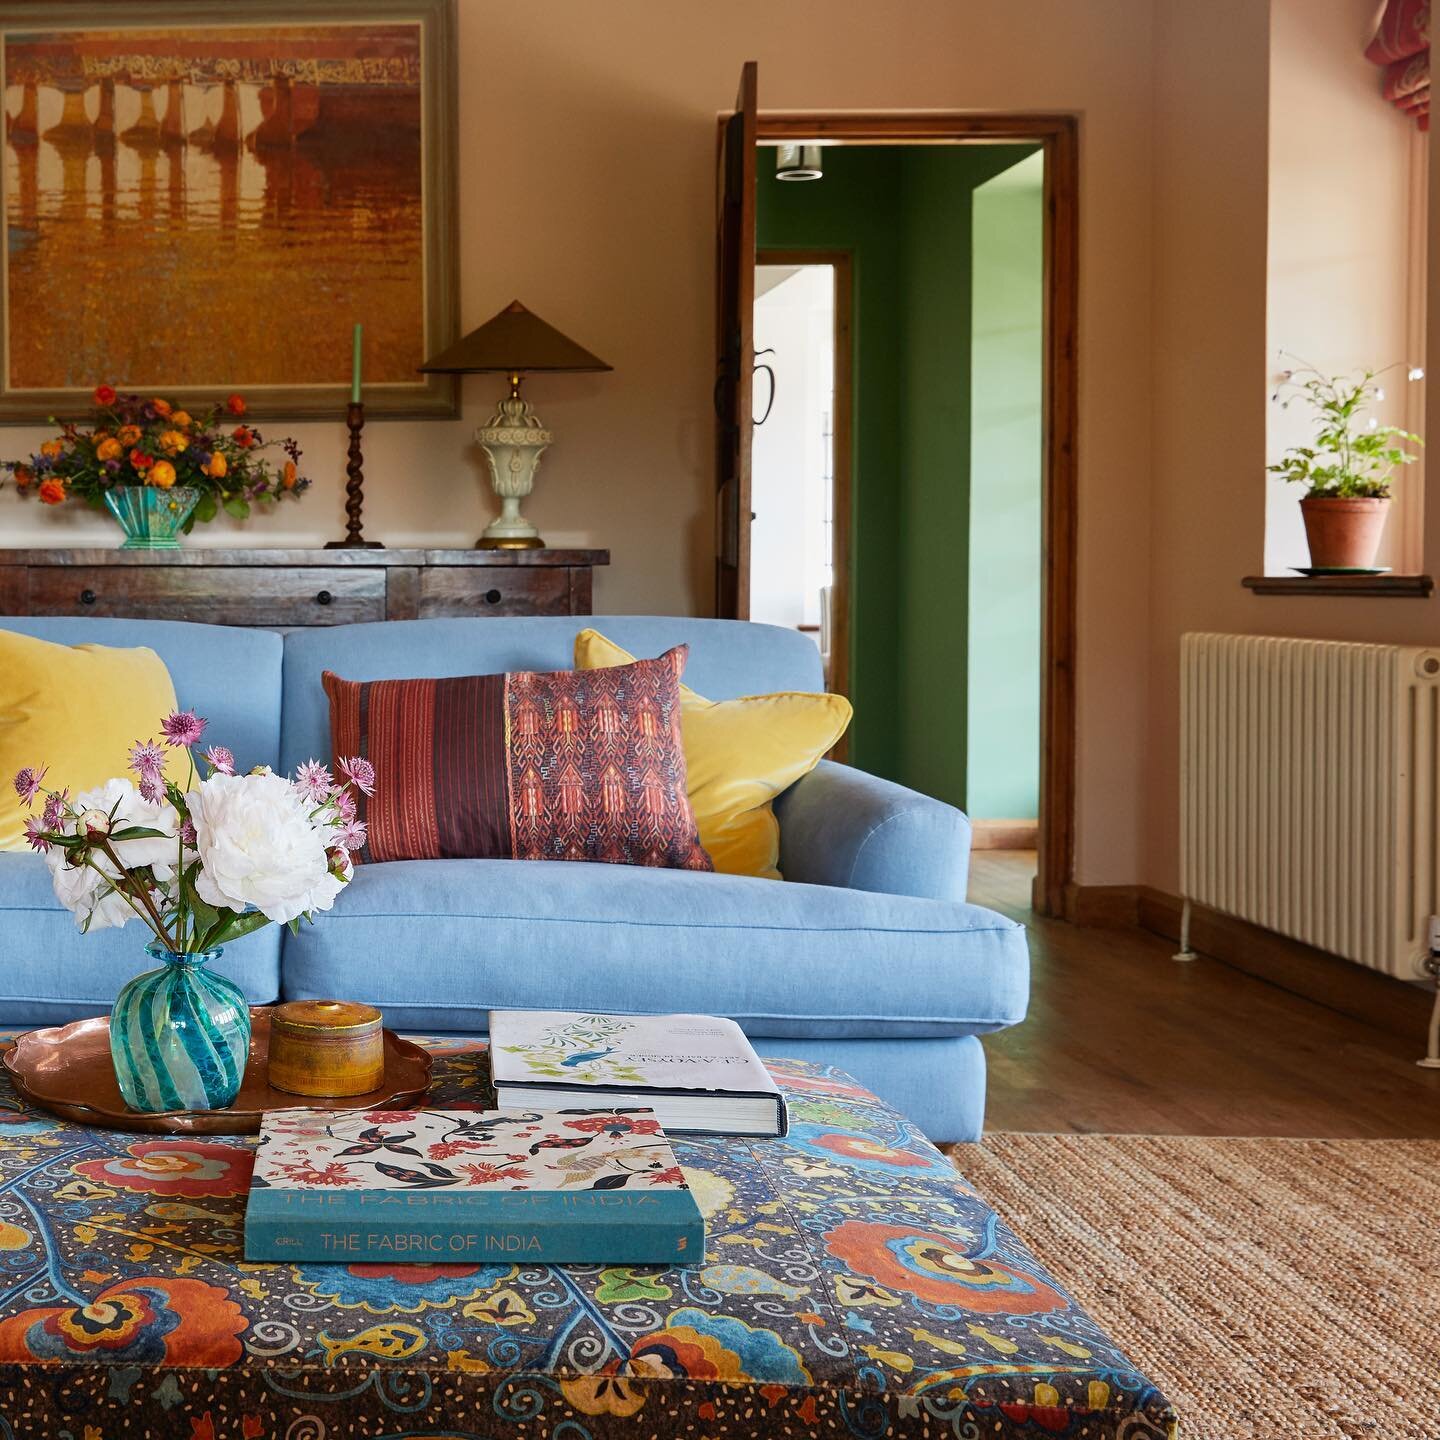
748	137
939	251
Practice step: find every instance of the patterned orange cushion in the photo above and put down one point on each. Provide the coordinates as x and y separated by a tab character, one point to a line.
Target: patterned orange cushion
559	765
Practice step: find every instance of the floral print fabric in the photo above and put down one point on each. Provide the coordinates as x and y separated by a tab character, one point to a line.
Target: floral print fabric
854	1286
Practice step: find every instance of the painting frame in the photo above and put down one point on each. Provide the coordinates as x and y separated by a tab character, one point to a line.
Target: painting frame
429	396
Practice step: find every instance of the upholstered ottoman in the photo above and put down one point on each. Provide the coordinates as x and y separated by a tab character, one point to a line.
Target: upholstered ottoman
854	1285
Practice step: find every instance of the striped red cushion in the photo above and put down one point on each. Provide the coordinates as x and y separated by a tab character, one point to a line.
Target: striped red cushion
558	765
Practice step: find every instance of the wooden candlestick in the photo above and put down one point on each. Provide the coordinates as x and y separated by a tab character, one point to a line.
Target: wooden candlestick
354	486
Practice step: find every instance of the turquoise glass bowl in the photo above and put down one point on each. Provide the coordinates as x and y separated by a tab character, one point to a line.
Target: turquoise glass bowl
151	517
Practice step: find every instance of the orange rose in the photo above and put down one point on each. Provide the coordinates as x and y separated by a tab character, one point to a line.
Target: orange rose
162	407
108	449
52	491
181	420
162	473
24	477
128	434
172	442
140	460
53	448
236	405
217	466
287	475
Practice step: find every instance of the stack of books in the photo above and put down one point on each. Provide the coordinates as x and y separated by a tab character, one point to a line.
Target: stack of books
574	1167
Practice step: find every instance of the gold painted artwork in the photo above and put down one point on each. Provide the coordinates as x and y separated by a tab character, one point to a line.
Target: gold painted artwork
213	207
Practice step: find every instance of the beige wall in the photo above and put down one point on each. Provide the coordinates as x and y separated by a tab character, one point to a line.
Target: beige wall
1343	179
602	222
1211	374
587	141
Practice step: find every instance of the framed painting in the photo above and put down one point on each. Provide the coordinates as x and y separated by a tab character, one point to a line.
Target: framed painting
204	197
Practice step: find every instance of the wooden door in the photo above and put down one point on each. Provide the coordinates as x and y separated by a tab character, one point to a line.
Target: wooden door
735	349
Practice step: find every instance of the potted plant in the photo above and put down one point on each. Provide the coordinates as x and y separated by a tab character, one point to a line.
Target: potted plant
1348	469
201	864
159	470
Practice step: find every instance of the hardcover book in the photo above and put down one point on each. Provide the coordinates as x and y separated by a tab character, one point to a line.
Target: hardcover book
501	1186
697	1072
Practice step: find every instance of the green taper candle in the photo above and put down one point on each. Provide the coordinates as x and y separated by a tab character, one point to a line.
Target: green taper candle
355	369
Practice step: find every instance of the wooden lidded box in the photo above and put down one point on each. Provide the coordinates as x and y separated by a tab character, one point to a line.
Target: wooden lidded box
326	1048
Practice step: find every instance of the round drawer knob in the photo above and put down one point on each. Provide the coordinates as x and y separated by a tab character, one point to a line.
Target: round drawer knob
324	598
87	597
492	597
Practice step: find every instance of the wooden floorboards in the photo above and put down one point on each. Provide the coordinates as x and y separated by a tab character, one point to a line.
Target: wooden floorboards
1121	1039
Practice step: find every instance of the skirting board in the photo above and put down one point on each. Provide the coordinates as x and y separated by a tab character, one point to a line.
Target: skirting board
1004	834
1104	907
1380	1000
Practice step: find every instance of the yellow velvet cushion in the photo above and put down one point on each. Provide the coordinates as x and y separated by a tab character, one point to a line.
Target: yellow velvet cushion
740	754
77	709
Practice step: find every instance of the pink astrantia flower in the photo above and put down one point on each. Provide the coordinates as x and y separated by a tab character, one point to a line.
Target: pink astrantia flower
184	727
147	758
28	782
360	773
351	835
187	834
35	829
344	804
54	812
220	760
314	781
152	789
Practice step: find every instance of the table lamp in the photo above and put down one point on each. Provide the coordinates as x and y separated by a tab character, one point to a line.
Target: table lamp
513	343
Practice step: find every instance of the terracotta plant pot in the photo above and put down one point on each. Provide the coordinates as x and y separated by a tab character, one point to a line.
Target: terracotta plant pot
1344	534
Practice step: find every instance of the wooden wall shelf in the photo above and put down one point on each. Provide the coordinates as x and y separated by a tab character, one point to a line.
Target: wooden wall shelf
1414	587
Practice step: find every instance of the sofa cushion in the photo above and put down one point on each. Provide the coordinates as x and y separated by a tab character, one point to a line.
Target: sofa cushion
436	943
530	765
229	675
50	973
726	659
739	755
75	712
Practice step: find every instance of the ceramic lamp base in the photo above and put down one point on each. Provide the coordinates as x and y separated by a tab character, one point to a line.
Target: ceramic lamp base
506	542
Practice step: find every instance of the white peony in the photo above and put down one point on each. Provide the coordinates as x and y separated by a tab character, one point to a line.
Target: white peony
258	847
86	893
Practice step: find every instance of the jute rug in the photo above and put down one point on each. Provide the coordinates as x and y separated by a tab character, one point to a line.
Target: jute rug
1274	1289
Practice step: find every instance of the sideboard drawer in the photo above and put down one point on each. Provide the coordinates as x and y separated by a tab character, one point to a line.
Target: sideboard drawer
225	595
515	590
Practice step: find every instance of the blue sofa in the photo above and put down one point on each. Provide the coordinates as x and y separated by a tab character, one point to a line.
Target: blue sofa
865	956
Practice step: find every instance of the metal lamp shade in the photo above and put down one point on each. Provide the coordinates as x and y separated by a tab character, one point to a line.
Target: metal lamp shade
798	162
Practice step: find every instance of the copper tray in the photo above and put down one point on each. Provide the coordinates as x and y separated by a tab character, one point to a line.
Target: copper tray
67	1070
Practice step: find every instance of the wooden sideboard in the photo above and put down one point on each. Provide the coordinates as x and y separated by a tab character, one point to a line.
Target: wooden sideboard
296	587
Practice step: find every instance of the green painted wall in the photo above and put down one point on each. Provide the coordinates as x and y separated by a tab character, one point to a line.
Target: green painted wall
905	215
1006	437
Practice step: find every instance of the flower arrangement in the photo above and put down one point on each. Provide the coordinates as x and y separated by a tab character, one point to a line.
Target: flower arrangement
132	441
204	864
201	865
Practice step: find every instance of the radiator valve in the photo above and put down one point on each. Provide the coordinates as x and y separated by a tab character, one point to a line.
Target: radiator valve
1432	960
1432	967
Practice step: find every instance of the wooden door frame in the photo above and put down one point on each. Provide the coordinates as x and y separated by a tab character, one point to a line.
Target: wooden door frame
841	455
1058	137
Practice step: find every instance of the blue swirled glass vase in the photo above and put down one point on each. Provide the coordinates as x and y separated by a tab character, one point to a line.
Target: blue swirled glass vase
179	1035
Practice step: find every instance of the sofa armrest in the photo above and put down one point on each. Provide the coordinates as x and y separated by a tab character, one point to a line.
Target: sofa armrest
840	826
